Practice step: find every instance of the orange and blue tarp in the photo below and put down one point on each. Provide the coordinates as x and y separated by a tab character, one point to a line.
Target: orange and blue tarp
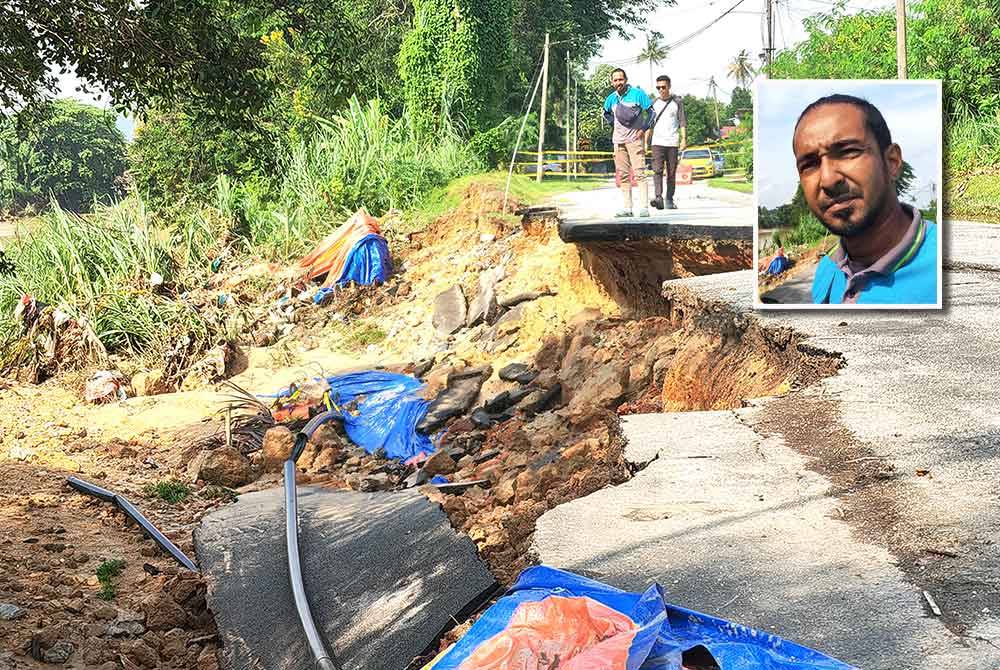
354	252
551	618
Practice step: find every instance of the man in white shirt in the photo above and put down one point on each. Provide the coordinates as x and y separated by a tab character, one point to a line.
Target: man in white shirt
668	137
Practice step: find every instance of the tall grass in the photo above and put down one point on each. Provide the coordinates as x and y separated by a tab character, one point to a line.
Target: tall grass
359	158
971	144
97	268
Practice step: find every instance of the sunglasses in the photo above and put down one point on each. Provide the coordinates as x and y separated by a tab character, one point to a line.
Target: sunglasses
661	87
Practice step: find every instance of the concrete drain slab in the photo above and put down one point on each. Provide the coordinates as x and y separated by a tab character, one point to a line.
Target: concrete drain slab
385	573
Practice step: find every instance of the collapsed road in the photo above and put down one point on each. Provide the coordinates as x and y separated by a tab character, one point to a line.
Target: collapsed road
844	515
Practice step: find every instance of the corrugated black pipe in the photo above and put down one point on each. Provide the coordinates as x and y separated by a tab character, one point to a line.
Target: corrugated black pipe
129	509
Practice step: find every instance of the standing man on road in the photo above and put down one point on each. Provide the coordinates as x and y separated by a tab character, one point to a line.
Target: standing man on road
629	110
848	166
668	137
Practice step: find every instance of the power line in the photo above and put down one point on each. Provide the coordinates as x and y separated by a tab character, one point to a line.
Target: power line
684	40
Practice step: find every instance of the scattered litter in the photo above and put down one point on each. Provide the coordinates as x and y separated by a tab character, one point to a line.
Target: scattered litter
933	605
106	386
550	613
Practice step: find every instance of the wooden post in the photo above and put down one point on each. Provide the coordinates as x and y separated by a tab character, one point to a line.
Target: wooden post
901	39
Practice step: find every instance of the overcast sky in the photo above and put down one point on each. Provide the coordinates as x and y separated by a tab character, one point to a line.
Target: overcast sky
912	110
690	65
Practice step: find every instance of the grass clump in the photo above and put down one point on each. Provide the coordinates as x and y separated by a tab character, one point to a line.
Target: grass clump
722	182
106	572
360	158
215	492
357	335
171	491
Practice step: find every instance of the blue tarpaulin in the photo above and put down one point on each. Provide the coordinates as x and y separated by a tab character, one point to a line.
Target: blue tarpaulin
587	624
386	416
778	265
368	262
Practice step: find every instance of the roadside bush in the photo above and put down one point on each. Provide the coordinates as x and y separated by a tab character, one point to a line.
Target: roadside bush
97	268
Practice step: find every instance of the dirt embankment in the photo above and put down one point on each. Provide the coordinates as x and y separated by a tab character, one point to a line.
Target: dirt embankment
595	340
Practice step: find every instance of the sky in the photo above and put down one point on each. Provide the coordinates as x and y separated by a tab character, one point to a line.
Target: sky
911	109
690	65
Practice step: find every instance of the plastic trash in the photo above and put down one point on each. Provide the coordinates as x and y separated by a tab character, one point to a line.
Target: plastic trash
106	386
550	613
778	265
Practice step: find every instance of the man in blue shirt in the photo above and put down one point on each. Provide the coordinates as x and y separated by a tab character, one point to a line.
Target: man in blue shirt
848	167
629	110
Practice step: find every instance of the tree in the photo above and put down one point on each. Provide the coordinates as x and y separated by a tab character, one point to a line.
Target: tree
740	104
135	51
456	58
946	39
72	152
593	92
700	120
654	53
742	70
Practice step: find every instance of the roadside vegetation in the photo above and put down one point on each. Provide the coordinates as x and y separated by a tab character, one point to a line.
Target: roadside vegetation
953	41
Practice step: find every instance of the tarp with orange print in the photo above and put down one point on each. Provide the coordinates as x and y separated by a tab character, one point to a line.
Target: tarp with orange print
551	619
355	251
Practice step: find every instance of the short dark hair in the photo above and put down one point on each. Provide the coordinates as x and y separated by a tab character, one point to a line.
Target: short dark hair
618	69
874	120
663	77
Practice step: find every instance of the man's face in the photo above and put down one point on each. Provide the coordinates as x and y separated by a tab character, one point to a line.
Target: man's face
846	180
663	89
619	81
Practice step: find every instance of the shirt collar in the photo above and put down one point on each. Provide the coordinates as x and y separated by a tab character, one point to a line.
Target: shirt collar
893	259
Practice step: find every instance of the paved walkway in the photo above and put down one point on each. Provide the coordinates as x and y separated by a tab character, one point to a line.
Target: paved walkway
825	514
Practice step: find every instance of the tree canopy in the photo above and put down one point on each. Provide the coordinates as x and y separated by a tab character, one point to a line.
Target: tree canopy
70	151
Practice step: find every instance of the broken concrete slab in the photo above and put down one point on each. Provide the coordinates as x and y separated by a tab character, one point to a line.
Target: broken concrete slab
484	307
449	311
735	525
384	572
458	398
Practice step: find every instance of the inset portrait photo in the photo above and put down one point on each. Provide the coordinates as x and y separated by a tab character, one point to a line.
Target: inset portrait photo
847	177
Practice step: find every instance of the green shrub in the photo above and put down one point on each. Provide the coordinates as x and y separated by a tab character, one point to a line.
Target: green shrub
97	269
106	572
168	490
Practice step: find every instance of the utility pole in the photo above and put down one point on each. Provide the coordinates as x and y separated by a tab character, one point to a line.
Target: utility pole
541	120
769	49
568	122
576	125
901	39
712	88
